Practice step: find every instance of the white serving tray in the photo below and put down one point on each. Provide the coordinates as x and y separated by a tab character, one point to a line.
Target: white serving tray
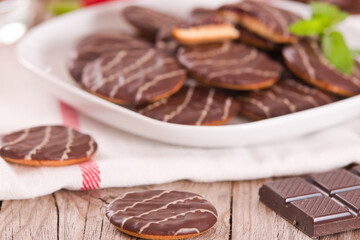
45	49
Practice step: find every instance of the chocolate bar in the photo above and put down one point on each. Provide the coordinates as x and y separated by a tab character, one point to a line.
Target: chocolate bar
318	205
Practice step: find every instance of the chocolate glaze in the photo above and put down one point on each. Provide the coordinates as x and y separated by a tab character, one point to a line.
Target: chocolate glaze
47	143
286	96
202	22
92	46
306	60
149	22
162	213
321	204
193	106
202	13
229	65
133	76
165	42
352	6
252	39
275	19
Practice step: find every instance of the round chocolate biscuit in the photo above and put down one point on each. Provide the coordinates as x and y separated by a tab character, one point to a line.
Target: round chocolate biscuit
229	65
204	26
286	96
245	35
92	46
194	106
306	60
249	38
206	30
133	76
47	146
149	22
264	20
160	214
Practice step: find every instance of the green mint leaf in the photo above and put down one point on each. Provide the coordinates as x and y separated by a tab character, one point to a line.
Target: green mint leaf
64	7
310	27
336	51
324	9
331	13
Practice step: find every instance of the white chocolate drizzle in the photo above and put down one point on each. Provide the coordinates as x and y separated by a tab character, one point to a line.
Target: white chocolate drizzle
204	112
308	90
184	231
98	73
258	104
305	59
155	80
227	106
41	145
136	203
234	61
19	139
123	81
153	105
286	101
295	94
279	18
160	208
352	78
116	60
225	47
182	106
242	71
69	142
176	216
91	147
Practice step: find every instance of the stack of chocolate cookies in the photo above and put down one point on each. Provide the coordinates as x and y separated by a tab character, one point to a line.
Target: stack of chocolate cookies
242	56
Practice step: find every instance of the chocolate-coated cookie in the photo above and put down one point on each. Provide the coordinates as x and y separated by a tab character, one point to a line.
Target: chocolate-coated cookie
204	30
258	17
160	214
92	46
133	76
194	106
230	65
245	35
149	22
47	146
286	96
306	60
254	40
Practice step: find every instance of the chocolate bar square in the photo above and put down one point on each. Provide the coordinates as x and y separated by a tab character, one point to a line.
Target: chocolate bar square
318	205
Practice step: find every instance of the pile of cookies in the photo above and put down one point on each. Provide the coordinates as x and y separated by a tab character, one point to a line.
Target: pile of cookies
242	56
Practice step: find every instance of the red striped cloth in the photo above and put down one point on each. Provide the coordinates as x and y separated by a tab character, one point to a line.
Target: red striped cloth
89	170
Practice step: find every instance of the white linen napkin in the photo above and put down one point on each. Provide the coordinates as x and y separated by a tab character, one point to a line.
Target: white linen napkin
127	160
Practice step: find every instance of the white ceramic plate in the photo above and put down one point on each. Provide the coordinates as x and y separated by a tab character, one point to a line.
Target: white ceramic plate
45	48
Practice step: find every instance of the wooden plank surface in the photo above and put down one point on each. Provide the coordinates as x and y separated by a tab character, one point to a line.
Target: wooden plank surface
81	215
29	219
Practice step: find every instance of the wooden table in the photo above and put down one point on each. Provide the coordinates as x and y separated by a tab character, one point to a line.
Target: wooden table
81	215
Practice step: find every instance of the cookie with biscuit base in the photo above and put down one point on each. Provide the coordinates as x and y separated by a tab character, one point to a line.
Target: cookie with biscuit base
47	146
